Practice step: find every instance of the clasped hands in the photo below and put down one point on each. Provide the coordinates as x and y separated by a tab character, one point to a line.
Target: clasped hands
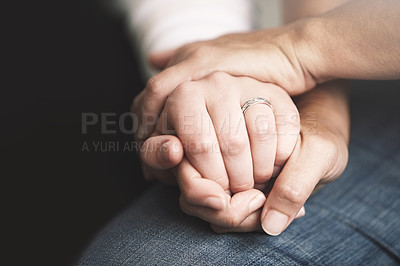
224	161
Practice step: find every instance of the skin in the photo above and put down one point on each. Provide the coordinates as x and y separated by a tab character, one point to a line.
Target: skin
294	52
297	56
220	141
187	61
319	156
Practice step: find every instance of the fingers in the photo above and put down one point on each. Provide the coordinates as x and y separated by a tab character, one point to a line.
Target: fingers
162	152
151	103
250	224
261	129
273	132
198	191
207	200
291	189
158	154
186	112
240	206
233	141
287	120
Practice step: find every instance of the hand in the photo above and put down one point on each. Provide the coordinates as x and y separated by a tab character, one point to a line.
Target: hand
320	156
218	98
219	141
268	55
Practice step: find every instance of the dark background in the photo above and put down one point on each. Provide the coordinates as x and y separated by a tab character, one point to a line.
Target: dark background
63	58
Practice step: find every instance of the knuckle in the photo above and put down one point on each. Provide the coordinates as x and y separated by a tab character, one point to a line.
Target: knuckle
242	186
202	51
262	127
154	86
233	145
292	194
261	132
218	78
185	89
180	95
198	145
223	181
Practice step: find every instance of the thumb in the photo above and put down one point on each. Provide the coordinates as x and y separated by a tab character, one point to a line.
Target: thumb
162	152
159	60
292	188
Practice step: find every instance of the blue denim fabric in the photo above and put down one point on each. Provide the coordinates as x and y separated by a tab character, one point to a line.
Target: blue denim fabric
352	221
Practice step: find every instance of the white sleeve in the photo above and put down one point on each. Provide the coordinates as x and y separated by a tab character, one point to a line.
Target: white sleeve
158	25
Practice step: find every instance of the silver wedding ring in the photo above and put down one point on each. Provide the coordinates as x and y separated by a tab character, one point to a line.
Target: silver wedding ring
253	101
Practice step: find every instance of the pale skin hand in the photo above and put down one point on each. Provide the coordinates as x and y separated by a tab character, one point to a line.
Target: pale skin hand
220	141
320	156
203	191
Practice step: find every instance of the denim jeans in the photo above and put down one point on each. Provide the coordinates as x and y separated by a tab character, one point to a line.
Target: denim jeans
354	220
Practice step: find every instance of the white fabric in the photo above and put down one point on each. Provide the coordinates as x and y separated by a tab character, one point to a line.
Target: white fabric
158	25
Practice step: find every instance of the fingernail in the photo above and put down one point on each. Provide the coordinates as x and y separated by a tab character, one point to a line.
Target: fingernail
301	213
257	203
216	203
274	222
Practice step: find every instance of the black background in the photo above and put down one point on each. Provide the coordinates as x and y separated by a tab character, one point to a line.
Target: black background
63	58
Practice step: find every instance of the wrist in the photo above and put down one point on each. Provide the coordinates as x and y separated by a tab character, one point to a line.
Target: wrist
299	54
309	46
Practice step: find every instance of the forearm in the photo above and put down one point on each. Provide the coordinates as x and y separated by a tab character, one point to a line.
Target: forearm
298	9
358	40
